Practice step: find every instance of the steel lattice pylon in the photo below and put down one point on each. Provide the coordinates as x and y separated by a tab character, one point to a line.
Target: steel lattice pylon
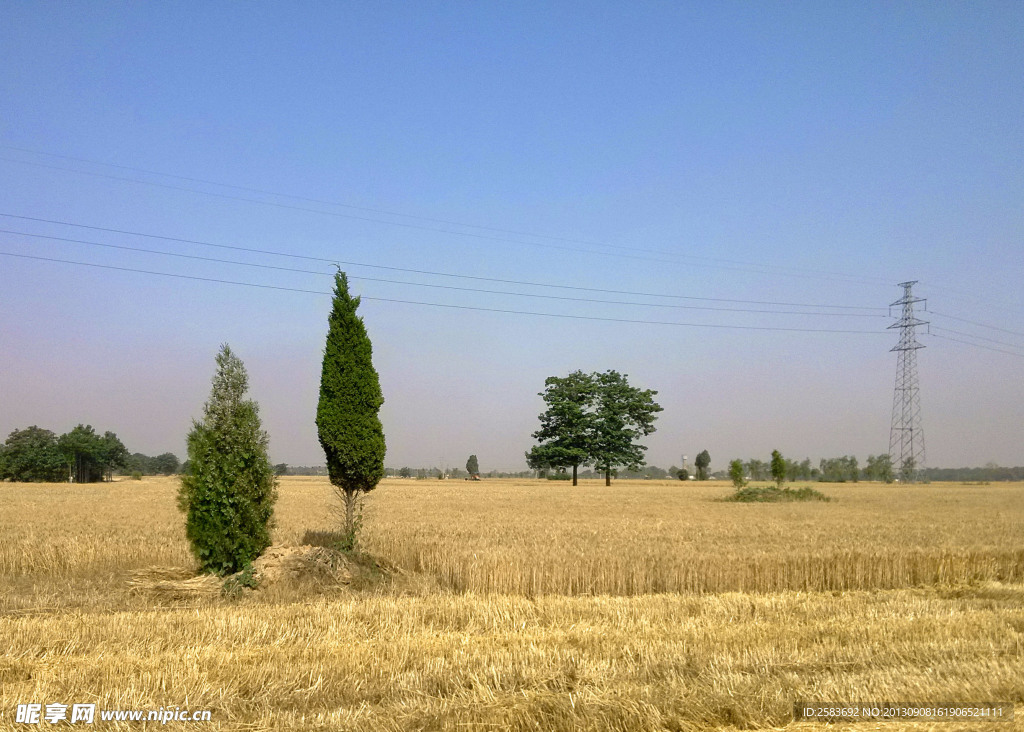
906	438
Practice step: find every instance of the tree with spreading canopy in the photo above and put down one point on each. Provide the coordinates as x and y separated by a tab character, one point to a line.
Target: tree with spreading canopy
91	457
593	419
840	469
32	455
347	418
623	414
566	425
166	463
228	488
756	469
879	468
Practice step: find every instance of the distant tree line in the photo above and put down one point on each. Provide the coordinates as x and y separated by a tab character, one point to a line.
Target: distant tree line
34	454
988	473
844	469
456	473
37	455
165	464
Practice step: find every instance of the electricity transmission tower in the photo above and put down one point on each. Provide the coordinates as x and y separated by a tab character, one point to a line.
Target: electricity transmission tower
906	438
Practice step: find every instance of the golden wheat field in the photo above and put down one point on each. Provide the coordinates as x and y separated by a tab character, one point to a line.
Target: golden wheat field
525	605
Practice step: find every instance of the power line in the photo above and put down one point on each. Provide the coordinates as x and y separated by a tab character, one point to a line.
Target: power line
974	322
354	217
447	222
434	273
442	305
976	337
698	261
294	197
441	287
972	296
976	345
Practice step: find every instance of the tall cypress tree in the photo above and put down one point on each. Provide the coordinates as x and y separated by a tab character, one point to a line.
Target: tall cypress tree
350	398
229	489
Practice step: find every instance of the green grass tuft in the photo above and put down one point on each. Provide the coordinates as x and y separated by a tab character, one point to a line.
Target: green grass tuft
773	494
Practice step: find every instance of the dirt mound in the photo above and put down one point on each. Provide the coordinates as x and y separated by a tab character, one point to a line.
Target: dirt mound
280	563
279	566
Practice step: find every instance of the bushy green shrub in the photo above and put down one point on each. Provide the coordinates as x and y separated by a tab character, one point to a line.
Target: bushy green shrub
229	490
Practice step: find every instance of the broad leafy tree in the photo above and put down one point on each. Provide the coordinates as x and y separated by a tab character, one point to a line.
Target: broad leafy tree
228	489
593	419
473	466
81	451
32	455
91	457
114	455
166	463
347	418
879	468
908	470
840	469
757	469
622	415
566	426
701	462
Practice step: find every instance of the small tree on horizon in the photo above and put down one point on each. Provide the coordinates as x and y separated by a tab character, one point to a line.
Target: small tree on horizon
701	462
778	467
736	473
228	489
347	420
473	466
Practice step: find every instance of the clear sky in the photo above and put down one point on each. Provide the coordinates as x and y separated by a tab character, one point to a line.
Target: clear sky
806	153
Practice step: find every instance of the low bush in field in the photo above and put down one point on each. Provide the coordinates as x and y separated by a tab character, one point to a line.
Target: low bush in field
773	494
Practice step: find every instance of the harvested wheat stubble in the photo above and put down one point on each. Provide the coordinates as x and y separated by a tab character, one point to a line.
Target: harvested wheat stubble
559	653
281	563
278	565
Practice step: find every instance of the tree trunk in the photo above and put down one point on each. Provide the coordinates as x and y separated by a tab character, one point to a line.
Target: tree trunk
608	476
350	513
574	474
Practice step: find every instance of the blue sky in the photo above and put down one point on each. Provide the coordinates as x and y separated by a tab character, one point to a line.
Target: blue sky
773	152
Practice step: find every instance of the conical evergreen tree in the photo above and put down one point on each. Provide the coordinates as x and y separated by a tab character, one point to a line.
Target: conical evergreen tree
350	398
229	489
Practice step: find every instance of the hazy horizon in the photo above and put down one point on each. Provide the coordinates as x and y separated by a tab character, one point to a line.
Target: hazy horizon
753	180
